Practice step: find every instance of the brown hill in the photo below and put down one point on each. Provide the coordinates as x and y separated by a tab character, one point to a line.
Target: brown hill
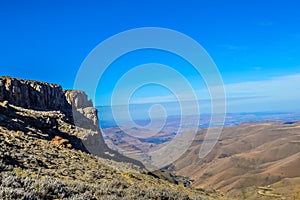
245	158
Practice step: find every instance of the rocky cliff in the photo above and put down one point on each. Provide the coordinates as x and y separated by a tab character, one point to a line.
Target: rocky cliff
83	112
70	108
43	96
32	94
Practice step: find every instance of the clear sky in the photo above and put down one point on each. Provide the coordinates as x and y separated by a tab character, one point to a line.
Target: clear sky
255	44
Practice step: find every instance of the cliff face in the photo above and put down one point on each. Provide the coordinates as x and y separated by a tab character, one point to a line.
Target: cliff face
57	109
84	113
49	97
32	94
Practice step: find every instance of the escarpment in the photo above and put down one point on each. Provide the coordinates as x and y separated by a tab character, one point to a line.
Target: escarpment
32	94
47	107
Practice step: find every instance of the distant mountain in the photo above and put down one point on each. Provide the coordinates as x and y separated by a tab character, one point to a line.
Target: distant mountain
52	148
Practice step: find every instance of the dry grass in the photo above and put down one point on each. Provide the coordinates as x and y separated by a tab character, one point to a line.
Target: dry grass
33	168
246	157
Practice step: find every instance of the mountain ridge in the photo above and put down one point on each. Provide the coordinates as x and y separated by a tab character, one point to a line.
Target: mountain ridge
46	154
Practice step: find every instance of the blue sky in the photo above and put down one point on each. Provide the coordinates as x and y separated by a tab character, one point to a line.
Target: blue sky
255	44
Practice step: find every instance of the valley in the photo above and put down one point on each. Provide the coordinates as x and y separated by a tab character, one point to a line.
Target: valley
256	157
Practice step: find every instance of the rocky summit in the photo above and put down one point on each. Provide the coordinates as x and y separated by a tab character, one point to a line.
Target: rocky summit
52	148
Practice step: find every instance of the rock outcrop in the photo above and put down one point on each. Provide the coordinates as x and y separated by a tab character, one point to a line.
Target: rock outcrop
57	108
78	99
50	97
32	94
59	141
84	113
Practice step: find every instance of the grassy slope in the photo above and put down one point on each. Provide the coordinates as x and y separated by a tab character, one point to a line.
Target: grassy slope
33	168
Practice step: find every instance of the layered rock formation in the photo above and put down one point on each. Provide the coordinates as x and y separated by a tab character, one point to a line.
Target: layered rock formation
49	97
32	94
73	107
83	111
